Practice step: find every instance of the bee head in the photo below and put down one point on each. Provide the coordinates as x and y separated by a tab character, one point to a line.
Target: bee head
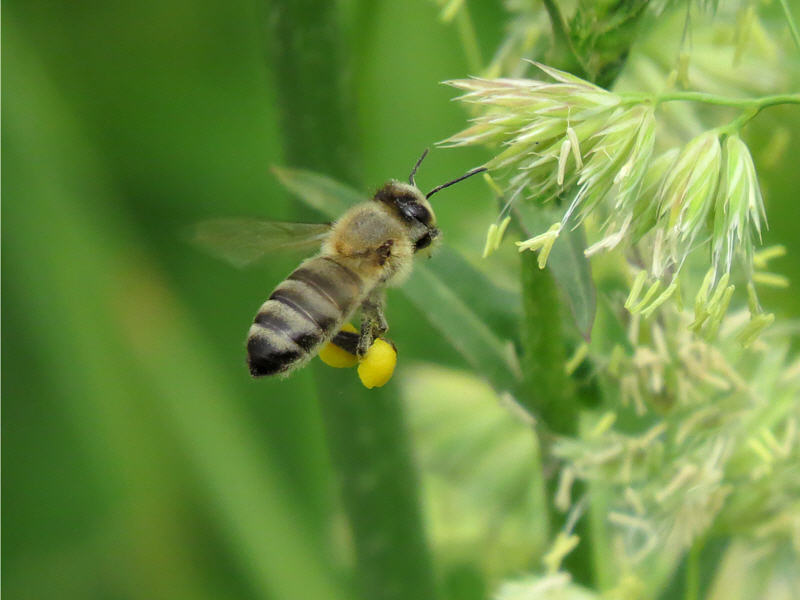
410	205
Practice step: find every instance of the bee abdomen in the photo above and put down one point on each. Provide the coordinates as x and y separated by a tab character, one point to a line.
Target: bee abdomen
266	357
302	313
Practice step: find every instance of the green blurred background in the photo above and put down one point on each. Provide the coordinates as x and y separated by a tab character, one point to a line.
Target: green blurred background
140	460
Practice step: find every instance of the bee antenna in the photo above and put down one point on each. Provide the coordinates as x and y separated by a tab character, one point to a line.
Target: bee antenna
416	166
474	171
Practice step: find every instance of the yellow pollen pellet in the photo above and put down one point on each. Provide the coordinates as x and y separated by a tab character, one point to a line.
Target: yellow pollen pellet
339	358
377	366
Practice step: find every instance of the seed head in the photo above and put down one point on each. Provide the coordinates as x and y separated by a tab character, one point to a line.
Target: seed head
569	140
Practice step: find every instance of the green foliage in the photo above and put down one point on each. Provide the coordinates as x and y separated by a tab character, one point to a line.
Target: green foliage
570	147
597	428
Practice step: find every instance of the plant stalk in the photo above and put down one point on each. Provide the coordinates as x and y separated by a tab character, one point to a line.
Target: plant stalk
365	429
547	389
547	386
469	39
744	103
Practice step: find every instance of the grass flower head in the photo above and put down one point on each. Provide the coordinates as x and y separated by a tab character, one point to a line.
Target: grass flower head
592	153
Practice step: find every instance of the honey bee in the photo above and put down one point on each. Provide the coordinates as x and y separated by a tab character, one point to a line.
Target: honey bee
371	246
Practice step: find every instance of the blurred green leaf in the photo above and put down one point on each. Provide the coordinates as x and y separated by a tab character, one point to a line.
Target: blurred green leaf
128	356
500	308
463	328
482	470
322	193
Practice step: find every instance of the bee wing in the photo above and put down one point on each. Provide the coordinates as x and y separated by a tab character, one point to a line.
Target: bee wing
242	241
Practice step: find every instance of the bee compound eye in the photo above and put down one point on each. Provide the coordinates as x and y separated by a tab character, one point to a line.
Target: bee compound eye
416	212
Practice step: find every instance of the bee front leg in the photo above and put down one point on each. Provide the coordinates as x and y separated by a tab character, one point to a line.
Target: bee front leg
373	322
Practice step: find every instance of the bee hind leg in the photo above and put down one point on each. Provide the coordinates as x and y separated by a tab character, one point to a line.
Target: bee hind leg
373	323
347	340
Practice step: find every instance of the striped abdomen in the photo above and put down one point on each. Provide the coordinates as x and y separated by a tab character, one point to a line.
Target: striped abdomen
303	312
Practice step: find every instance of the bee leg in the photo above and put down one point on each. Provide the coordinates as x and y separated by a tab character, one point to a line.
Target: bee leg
379	326
366	338
347	340
373	323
